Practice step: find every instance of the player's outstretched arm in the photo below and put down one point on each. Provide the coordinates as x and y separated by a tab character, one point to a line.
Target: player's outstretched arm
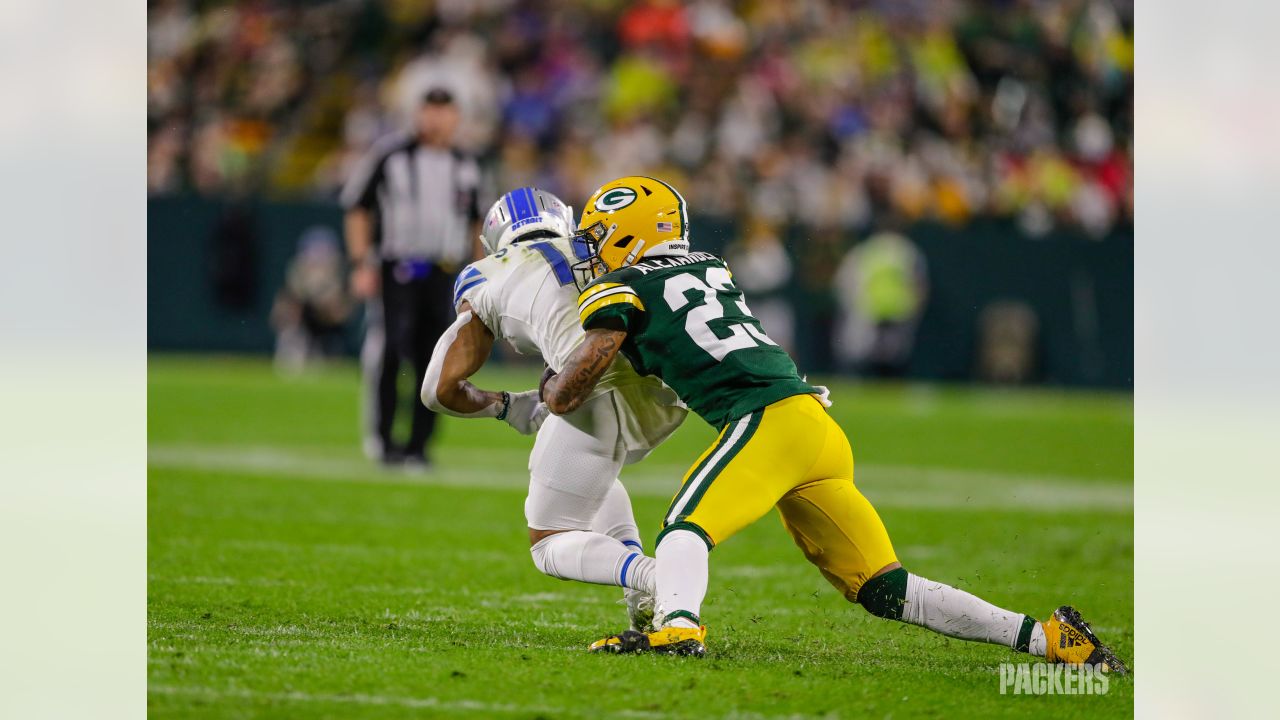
568	389
461	351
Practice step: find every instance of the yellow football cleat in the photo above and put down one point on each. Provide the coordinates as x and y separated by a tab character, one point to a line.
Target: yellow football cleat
1068	640
667	640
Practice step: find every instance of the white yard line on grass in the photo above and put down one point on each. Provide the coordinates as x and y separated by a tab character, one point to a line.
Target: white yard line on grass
424	703
890	486
296	696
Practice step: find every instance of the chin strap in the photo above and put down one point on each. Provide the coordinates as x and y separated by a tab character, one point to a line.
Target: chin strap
635	252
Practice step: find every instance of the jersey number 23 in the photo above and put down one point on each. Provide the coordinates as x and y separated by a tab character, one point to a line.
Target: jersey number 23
697	323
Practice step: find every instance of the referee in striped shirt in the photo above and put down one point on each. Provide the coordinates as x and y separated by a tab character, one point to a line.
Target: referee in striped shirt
412	221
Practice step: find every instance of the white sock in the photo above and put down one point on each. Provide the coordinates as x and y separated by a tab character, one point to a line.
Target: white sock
1036	647
682	577
958	614
616	519
593	558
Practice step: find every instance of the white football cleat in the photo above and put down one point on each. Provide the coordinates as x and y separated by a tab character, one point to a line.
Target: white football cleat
640	609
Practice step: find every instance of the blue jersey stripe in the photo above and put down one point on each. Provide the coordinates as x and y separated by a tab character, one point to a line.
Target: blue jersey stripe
463	287
467	273
557	260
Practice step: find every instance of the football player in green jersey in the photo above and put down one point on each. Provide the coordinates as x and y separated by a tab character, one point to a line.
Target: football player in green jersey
676	314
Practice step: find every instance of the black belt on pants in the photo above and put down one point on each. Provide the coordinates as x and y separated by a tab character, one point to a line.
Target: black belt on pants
405	271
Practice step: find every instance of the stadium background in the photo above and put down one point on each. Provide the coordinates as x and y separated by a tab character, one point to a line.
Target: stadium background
997	136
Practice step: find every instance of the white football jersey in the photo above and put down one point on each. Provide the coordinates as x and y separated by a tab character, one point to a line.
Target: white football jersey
525	294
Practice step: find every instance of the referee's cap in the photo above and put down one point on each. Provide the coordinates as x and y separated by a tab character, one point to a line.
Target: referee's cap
437	96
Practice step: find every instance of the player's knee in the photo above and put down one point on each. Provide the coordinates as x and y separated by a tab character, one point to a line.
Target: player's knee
885	594
536	536
541	555
541	550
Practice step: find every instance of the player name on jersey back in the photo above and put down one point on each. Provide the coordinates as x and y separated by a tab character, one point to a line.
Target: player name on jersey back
667	263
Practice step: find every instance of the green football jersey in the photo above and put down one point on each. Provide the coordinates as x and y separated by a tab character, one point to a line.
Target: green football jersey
689	325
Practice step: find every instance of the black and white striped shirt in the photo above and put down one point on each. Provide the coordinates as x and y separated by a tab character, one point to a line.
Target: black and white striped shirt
424	200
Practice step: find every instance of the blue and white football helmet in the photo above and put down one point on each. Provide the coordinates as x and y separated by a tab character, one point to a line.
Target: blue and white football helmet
524	214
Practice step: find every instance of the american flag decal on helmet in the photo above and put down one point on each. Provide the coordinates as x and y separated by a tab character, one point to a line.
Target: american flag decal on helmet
665	227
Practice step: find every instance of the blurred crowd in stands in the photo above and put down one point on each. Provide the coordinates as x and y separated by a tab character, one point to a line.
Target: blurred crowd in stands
833	114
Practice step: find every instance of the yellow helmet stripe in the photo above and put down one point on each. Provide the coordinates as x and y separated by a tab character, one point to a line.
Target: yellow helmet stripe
596	305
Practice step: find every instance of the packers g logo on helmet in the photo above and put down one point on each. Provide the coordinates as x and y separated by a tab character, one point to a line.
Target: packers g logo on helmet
629	219
615	199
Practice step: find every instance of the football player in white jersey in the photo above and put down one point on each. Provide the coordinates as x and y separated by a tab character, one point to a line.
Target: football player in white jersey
581	526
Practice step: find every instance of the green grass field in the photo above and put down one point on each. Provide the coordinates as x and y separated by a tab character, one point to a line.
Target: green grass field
290	578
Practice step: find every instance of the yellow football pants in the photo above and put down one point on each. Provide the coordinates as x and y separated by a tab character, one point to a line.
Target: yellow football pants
793	456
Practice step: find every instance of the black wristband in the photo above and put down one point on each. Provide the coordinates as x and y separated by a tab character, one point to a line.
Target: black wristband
506	405
547	374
